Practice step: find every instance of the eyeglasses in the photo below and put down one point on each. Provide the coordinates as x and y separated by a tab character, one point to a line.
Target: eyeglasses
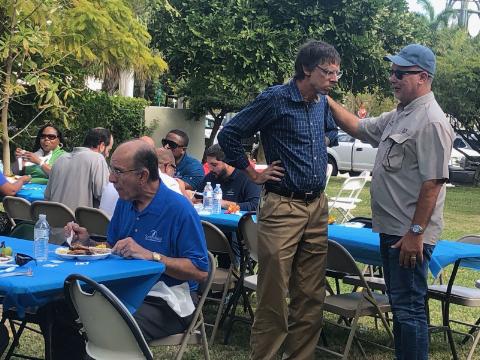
48	136
171	144
166	165
118	172
338	74
400	73
22	259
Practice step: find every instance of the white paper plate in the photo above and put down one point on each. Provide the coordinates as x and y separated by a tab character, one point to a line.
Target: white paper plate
60	252
5	259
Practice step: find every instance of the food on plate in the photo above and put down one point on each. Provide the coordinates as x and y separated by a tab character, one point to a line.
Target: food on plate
232	209
6	251
331	219
78	249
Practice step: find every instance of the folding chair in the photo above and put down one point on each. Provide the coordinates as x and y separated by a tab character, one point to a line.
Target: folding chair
347	197
247	237
17	209
192	335
224	280
112	332
58	215
95	220
458	295
352	306
328	174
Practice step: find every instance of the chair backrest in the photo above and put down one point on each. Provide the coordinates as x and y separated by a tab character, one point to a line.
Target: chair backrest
95	220
470	239
111	330
58	215
17	208
217	242
248	232
339	260
350	190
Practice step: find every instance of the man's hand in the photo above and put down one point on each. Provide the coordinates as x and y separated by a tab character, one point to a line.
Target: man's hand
411	249
80	234
273	172
129	249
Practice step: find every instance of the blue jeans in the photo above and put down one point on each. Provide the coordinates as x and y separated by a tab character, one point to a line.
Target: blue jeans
407	290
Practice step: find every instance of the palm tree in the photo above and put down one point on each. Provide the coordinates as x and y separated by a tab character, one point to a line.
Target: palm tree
442	19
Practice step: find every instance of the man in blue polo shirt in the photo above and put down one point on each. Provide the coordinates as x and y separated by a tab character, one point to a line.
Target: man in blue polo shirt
152	222
189	169
237	188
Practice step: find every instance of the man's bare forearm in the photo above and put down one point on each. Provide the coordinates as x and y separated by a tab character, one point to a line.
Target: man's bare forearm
344	119
183	269
427	199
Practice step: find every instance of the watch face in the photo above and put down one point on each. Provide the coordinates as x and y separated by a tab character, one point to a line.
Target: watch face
417	229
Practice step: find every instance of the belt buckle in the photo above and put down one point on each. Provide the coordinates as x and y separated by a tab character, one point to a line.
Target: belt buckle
307	195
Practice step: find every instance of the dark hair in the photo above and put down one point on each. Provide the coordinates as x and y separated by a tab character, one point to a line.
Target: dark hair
146	157
215	151
182	134
313	53
37	146
96	136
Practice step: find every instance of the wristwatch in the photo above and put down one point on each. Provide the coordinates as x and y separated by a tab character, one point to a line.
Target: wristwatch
416	229
156	257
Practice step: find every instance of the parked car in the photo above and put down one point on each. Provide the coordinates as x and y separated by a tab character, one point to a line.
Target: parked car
351	155
354	156
464	161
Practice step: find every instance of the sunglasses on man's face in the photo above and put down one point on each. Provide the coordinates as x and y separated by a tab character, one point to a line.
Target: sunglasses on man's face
171	144
399	74
22	259
48	136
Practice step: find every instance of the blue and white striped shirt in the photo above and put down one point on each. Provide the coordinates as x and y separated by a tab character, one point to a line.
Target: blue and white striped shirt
291	130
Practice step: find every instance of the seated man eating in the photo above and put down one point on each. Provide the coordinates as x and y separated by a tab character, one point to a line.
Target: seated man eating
154	223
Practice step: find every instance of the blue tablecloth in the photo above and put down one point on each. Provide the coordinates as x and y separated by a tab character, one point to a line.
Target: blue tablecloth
227	222
130	280
32	192
447	252
362	243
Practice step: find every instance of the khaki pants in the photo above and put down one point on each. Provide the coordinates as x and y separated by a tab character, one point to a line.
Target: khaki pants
292	250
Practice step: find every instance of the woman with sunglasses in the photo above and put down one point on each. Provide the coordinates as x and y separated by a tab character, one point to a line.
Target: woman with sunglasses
47	149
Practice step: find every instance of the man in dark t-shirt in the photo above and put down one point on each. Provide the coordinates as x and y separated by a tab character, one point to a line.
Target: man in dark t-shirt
236	187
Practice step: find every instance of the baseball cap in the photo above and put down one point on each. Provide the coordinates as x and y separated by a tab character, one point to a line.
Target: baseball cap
414	55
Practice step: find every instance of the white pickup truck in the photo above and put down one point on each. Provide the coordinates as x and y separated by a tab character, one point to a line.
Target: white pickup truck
351	155
354	156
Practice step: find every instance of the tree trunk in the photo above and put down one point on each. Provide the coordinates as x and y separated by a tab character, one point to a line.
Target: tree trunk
6	100
110	80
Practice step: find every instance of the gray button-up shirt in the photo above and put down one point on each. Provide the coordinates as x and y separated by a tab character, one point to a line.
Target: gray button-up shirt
414	145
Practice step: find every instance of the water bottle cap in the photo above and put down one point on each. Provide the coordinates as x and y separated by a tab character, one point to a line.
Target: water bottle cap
42	216
208	182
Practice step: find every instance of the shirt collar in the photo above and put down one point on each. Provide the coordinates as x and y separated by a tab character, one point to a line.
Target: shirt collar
154	205
422	100
295	93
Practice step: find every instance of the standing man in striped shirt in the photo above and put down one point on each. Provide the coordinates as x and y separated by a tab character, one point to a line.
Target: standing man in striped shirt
295	126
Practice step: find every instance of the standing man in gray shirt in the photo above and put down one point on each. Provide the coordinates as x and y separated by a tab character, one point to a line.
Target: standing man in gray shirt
78	178
408	189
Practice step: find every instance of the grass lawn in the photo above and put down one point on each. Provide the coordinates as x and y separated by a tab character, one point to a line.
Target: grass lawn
462	217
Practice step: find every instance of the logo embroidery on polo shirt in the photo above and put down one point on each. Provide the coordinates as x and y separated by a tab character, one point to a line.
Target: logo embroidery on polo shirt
153	236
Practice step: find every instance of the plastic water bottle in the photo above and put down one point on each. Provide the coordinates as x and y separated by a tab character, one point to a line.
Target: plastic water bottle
1	166
41	234
217	200
208	198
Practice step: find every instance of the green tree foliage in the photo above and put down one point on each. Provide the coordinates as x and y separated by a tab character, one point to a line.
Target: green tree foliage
222	53
456	83
47	46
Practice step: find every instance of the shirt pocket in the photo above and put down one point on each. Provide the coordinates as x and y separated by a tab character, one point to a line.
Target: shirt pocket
395	154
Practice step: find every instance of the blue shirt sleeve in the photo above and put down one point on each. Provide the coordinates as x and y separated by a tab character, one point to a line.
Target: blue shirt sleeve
195	173
243	125
3	179
251	196
331	130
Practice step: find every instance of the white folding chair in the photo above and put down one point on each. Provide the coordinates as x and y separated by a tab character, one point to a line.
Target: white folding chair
328	174
58	215
347	197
